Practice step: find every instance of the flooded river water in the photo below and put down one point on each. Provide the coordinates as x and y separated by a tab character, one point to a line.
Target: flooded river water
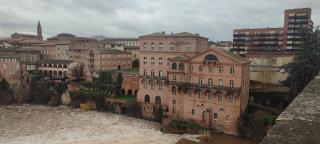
28	124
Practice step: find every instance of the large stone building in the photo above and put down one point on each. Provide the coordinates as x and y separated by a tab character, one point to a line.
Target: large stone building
285	38
59	69
190	81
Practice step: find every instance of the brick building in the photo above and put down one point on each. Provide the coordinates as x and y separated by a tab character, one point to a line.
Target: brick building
174	70
274	39
108	59
125	44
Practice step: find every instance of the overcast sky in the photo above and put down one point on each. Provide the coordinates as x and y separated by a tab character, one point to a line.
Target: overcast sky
214	19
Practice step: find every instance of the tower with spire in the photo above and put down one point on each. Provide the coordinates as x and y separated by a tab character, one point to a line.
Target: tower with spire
39	31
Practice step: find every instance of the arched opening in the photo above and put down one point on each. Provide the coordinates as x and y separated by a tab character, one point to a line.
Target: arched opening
119	67
65	73
174	66
210	58
45	72
135	93
158	100
147	98
55	73
181	66
129	92
60	74
122	92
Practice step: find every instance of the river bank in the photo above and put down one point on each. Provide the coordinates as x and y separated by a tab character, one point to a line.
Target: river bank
36	124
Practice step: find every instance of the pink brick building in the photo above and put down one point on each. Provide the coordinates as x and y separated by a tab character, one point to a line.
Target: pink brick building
190	81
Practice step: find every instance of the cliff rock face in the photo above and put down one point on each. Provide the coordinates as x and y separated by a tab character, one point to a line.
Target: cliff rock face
21	92
65	98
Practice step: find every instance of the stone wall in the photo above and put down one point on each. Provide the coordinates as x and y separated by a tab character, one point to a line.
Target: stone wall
299	123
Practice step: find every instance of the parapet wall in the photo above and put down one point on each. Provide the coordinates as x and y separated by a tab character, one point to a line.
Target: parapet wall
299	123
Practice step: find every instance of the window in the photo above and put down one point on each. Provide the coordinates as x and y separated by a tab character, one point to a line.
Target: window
144	72
153	85
174	90
220	83
160	46
145	60
210	82
181	79
160	61
190	79
219	96
152	73
199	93
160	86
220	69
192	112
174	66
145	84
160	73
174	78
190	68
231	98
227	117
152	60
190	92
171	46
147	98
200	68
215	116
231	83
181	66
152	46
174	101
188	47
173	109
158	100
200	81
210	69
232	70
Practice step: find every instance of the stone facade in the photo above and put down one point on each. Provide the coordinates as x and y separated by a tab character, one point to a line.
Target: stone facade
59	69
130	83
299	122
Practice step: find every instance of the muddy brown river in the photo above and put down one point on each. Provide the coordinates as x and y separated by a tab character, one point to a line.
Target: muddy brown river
29	124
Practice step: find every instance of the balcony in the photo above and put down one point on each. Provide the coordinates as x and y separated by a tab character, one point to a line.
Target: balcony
153	77
202	86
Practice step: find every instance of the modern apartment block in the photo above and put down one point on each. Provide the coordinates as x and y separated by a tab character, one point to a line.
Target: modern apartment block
274	39
295	20
190	81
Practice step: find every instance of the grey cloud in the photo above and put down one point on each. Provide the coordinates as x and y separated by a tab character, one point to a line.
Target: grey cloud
130	18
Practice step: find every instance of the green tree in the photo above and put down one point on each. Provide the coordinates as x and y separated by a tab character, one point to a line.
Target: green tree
306	63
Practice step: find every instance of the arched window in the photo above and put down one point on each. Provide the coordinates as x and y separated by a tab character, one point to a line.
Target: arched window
210	82
174	90
158	100
211	58
220	83
147	98
231	83
181	66
174	66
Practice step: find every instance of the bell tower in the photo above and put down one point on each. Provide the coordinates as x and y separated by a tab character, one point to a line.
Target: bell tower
39	31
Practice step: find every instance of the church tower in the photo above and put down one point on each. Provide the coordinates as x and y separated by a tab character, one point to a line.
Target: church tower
39	31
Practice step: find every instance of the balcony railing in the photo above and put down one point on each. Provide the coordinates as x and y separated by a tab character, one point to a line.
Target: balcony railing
195	85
